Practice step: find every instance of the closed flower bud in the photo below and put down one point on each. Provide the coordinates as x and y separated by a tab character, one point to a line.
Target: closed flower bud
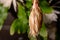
35	19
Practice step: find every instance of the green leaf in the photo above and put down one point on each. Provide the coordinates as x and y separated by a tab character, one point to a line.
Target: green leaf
22	18
13	27
3	15
43	31
18	31
29	4
45	7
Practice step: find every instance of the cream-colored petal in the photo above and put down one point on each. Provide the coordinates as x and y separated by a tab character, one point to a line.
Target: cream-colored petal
6	3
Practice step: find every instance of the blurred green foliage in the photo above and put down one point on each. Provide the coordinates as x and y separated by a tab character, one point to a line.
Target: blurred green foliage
21	25
3	15
45	7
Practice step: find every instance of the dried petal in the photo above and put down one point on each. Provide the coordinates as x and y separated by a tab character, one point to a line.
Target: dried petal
35	20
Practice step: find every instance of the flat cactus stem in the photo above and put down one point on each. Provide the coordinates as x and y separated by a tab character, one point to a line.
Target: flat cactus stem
35	19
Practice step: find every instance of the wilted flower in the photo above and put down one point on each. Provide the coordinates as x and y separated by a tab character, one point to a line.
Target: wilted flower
35	19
